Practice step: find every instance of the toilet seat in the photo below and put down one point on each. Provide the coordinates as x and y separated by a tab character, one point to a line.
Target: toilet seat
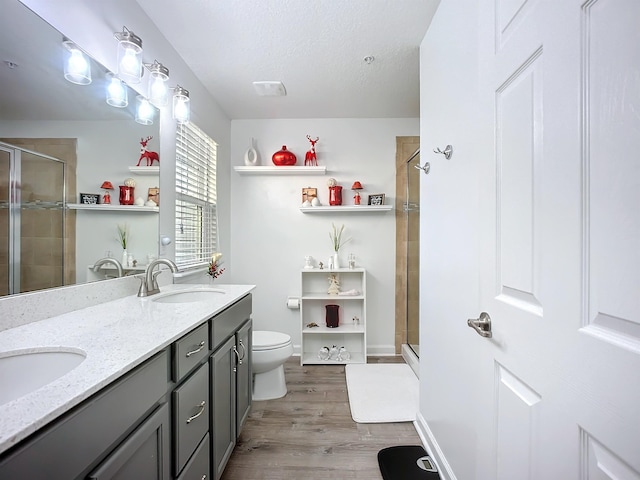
263	340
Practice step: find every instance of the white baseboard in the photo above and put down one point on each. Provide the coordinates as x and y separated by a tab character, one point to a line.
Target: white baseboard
433	449
411	359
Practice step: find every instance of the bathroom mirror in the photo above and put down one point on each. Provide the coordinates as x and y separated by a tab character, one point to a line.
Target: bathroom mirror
42	112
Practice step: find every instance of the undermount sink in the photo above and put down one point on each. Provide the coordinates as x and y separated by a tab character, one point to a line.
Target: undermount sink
200	294
23	372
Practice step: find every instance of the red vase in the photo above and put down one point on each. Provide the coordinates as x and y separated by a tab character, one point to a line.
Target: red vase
335	195
284	157
126	195
333	316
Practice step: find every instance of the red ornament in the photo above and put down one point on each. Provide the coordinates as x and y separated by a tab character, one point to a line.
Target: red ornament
146	154
310	157
284	157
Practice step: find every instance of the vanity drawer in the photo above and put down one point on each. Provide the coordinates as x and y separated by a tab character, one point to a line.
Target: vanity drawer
225	324
190	415
198	466
190	351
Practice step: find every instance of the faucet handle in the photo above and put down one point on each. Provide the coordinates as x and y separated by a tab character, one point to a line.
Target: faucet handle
154	281
143	291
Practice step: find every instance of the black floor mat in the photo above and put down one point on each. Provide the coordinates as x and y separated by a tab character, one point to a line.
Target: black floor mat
401	463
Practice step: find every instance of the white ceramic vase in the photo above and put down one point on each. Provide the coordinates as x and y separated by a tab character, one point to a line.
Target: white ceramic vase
336	260
125	258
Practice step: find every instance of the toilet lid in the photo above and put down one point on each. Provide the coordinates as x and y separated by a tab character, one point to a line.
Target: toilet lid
263	340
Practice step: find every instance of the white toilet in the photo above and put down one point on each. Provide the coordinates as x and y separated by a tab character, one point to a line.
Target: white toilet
270	351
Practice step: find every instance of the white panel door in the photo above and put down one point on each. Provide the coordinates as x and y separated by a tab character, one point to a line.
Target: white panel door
560	238
536	221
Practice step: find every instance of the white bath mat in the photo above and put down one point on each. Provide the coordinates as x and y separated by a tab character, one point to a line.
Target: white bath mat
382	392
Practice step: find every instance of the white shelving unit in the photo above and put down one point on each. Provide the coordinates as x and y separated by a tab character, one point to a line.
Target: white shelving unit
274	170
347	208
153	170
106	208
314	297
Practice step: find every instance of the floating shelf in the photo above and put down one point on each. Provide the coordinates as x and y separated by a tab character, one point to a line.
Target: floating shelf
347	208
273	170
145	170
111	208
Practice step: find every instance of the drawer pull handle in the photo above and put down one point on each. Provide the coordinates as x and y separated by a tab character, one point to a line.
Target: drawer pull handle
192	418
204	477
193	352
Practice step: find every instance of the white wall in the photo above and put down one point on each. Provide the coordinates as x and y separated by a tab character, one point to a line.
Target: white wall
270	236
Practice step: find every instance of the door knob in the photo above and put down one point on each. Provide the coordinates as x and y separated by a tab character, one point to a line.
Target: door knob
481	325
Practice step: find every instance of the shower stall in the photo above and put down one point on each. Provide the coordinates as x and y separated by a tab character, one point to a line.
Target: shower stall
32	220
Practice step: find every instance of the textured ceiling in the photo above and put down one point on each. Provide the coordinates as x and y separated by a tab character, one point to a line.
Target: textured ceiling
315	47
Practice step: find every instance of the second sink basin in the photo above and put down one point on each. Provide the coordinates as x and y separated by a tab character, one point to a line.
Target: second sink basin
22	372
200	294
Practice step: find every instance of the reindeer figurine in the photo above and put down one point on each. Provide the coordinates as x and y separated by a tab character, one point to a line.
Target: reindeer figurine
310	158
144	153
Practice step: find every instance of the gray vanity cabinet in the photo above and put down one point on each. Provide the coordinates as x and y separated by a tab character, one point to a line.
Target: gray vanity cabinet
223	381
230	367
244	380
123	425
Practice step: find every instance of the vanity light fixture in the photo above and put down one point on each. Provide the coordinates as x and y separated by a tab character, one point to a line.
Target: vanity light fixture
144	111
158	78
129	56
116	92
181	105
77	68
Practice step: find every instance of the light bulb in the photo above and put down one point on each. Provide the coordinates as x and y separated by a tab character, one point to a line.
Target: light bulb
117	93
76	68
158	91
181	105
144	111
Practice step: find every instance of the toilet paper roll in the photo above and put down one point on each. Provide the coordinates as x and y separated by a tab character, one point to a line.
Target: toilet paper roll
293	303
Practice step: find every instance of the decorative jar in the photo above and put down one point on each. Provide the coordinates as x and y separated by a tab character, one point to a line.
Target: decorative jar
333	316
284	157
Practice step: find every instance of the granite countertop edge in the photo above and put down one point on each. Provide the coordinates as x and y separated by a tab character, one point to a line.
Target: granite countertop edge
115	336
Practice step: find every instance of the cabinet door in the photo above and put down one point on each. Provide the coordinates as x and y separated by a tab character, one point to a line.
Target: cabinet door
143	455
223	404
243	376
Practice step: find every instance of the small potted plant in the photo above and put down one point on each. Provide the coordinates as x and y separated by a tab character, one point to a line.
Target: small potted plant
215	270
337	242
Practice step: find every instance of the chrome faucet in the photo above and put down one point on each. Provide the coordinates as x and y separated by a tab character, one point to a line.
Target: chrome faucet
149	284
102	261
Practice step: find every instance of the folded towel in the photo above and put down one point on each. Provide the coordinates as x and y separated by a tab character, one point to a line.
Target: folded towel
351	292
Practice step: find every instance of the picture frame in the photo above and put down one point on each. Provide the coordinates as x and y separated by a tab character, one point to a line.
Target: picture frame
89	198
309	193
376	199
154	194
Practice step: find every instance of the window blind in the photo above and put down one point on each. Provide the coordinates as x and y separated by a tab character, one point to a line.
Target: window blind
196	237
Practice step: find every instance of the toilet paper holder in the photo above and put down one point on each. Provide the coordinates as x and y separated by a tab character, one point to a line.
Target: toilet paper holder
293	303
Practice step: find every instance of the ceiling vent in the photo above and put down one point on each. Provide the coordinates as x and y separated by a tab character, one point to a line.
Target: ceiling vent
270	89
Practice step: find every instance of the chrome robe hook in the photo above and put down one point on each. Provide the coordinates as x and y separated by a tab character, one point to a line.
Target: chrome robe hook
426	167
448	151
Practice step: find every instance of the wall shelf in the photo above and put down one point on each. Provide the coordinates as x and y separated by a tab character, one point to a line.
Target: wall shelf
111	208
273	170
145	170
347	208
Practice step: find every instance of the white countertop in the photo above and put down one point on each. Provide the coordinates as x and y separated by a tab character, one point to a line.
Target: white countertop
116	337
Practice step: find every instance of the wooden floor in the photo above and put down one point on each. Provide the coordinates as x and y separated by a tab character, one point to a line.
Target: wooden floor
309	434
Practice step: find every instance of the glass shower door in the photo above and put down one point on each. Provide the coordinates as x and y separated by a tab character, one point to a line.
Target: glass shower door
412	210
5	170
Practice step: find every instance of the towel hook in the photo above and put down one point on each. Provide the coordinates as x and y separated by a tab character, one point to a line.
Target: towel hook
448	151
426	167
